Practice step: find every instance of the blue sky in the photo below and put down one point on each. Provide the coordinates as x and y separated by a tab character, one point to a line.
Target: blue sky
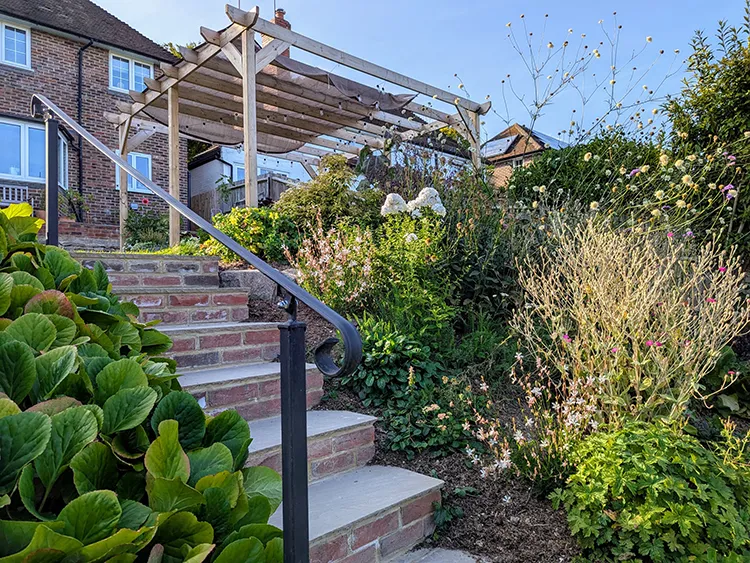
434	39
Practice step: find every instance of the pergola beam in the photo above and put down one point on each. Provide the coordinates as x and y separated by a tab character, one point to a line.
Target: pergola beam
332	54
268	54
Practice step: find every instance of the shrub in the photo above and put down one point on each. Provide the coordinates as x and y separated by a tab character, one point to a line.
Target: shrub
146	228
392	363
103	456
337	266
647	492
331	197
264	232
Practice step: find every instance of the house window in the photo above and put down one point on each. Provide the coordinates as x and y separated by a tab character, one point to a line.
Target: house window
239	173
126	74
517	162
23	153
142	163
16	46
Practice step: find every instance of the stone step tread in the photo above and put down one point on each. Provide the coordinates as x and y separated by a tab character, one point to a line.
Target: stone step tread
266	432
140	257
170	289
342	500
196	377
179	330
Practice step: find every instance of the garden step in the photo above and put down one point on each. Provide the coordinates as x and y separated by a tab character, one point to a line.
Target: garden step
187	305
336	441
368	515
130	270
252	389
210	344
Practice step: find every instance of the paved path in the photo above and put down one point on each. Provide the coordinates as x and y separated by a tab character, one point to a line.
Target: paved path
438	556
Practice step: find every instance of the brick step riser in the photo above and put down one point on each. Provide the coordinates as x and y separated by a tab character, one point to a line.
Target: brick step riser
132	270
253	399
327	454
382	537
190	308
217	348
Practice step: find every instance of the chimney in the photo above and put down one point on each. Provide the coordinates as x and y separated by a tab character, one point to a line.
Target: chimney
278	19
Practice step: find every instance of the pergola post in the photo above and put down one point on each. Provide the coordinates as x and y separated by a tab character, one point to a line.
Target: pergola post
173	103
249	118
123	130
476	136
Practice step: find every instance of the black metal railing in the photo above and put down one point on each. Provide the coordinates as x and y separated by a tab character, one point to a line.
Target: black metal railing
292	332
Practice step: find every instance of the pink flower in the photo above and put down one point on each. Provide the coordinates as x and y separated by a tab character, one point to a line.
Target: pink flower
634	171
145	201
722	269
615	350
658	343
670	234
711	300
649	343
566	338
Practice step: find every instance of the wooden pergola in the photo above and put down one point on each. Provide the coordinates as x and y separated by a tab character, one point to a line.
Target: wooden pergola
230	90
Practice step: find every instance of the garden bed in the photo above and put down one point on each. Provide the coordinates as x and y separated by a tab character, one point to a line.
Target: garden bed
503	519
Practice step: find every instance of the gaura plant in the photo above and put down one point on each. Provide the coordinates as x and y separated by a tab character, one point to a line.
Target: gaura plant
102	456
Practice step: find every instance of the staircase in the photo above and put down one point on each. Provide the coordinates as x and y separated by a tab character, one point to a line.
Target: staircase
359	513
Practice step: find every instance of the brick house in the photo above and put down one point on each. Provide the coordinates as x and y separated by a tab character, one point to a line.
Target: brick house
514	147
85	60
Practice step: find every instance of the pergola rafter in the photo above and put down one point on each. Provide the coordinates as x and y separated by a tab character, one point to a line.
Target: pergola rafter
229	91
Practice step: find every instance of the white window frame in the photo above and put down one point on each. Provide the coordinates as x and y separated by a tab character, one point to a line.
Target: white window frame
235	169
3	25
517	163
131	72
132	187
63	161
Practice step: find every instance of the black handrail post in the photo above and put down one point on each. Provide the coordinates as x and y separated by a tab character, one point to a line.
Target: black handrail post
294	440
52	127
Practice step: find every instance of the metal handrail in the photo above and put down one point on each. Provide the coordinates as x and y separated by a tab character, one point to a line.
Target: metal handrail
323	359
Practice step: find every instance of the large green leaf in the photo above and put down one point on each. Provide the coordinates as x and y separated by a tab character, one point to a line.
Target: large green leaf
209	461
66	330
72	430
217	512
54	406
27	490
127	409
127	333
6	287
154	342
263	481
33	329
180	530
92	516
51	302
134	514
230	483
8	407
257	511
51	370
105	549
165	457
94	468
19	296
17	370
199	553
166	495
275	551
183	408
60	264
25	278
122	374
15	535
101	279
230	429
244	550
23	437
45	540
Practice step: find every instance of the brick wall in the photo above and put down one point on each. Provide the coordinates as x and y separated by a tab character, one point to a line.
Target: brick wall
54	63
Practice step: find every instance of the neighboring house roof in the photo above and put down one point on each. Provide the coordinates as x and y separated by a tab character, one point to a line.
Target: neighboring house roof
213	153
504	142
85	19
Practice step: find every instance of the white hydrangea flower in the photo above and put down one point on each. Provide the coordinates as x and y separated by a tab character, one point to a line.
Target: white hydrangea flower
439	208
411	237
394	203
